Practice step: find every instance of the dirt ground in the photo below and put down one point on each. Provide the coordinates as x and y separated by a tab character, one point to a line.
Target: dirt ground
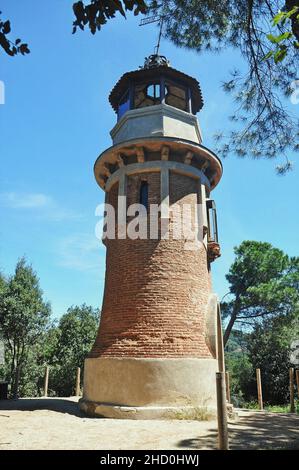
51	423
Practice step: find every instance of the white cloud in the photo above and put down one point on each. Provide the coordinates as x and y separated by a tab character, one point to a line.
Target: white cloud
43	205
81	251
25	201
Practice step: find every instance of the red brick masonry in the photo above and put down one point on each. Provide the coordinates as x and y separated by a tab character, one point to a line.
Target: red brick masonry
155	291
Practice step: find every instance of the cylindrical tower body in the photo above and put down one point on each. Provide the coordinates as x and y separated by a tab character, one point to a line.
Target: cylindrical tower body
155	354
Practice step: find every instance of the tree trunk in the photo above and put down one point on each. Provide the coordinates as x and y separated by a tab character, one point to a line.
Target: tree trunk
232	320
15	392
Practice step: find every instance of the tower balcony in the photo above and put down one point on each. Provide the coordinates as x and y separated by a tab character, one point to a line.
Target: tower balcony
154	152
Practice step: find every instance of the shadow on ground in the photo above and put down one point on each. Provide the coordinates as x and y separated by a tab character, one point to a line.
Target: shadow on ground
255	431
60	405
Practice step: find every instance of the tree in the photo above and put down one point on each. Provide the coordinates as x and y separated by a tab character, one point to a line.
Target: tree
3	283
11	47
39	355
24	317
74	337
263	124
240	368
264	282
242	386
269	347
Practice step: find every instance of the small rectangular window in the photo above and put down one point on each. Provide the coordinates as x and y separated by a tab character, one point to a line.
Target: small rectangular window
143	198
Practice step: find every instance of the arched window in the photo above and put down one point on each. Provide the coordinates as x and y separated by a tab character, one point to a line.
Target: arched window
143	195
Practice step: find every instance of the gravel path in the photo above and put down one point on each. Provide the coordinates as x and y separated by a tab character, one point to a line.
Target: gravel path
51	423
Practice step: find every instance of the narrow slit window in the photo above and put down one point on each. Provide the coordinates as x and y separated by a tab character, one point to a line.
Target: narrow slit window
143	199
212	221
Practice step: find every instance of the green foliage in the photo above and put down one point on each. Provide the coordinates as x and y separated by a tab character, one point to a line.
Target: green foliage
263	125
24	316
32	341
68	345
282	40
264	282
96	13
63	347
241	371
11	47
269	350
198	413
3	285
280	408
242	387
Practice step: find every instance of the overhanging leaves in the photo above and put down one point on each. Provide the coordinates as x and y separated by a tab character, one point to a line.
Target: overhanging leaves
96	13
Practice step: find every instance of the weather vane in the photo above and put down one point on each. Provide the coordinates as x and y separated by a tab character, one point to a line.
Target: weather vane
155	19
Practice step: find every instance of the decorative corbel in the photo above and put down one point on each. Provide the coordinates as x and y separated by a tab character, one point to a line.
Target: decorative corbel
105	171
119	160
140	154
188	158
165	153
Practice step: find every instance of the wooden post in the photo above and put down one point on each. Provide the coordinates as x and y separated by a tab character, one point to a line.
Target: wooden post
220	346
221	412
297	380
46	383
292	400
78	389
259	388
227	386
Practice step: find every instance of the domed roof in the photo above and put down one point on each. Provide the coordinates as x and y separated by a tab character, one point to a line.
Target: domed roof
152	73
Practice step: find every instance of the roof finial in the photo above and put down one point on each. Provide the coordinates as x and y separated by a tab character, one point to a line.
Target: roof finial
155	60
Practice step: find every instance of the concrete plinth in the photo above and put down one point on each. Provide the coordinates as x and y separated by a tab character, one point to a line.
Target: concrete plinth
149	388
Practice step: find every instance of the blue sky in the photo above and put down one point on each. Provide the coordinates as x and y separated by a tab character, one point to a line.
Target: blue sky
56	121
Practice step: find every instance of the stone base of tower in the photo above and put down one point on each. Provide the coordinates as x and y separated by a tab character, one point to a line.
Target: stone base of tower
131	388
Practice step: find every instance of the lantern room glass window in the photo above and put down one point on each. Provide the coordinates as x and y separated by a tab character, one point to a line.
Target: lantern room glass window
147	94
151	93
176	96
212	221
124	104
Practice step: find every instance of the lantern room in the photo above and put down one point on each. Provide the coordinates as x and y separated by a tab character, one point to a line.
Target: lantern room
158	95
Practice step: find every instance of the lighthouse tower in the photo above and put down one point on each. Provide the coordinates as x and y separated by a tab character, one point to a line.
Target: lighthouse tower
155	354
